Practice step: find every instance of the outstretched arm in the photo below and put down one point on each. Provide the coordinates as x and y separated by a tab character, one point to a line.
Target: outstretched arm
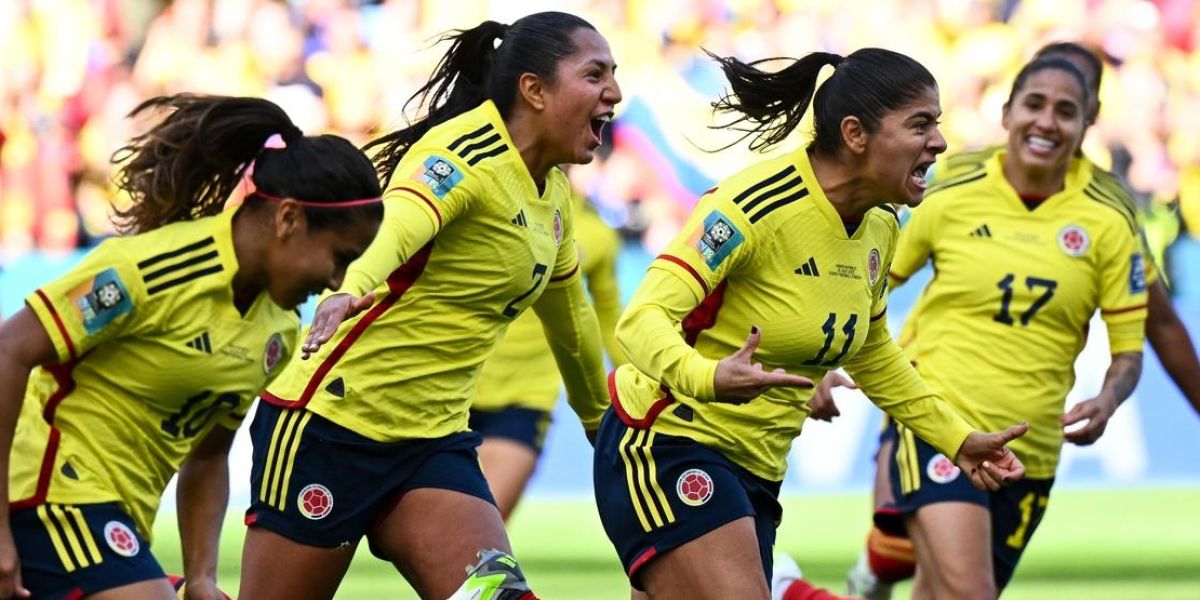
1173	345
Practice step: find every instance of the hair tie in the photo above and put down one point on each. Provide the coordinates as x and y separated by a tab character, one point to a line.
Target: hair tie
275	142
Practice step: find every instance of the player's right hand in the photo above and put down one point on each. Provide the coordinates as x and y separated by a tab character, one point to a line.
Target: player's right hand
738	380
986	459
330	313
821	406
10	568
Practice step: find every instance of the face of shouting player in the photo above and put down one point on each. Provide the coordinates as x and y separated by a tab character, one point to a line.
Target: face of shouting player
903	148
579	101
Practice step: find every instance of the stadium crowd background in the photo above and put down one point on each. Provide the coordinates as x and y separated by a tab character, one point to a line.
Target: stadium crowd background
70	70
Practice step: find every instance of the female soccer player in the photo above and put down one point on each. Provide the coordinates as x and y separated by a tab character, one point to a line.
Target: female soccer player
889	558
142	361
519	385
795	251
1028	245
370	436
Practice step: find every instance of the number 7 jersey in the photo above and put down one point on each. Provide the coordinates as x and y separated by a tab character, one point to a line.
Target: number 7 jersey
998	328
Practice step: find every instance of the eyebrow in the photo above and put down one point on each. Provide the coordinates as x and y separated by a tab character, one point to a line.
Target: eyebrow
925	114
602	64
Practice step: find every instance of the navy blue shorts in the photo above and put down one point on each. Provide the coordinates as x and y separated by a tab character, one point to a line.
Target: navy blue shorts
70	551
522	425
920	475
320	484
657	492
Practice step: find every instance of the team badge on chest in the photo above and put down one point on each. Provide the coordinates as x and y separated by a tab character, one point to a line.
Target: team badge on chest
558	228
272	353
1073	240
873	266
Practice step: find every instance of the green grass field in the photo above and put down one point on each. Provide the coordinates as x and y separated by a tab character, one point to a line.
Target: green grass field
1093	545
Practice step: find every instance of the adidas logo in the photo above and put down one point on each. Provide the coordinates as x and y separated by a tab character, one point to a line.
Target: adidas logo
201	343
809	268
982	231
520	219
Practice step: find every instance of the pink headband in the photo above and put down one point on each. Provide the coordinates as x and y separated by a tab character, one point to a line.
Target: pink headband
276	142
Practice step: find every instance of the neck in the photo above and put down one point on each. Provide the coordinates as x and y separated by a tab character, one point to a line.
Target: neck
525	135
848	192
1035	183
249	246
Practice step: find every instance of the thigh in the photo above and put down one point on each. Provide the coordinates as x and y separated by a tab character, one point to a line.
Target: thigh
311	573
154	589
1016	513
75	550
723	563
433	534
507	465
954	550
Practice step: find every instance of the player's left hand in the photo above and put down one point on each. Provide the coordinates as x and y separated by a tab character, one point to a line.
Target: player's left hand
821	406
202	588
987	461
1096	412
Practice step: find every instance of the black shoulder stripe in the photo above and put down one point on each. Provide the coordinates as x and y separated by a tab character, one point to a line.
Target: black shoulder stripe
474	134
764	183
209	256
184	279
153	260
756	217
490	153
488	141
773	193
1130	220
965	178
1122	201
886	207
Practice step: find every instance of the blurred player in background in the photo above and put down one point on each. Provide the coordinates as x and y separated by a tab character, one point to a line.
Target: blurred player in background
142	361
889	558
690	458
370	437
519	383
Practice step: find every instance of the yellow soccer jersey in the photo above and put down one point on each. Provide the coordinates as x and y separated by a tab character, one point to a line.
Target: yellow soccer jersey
766	248
1001	322
467	244
152	354
521	371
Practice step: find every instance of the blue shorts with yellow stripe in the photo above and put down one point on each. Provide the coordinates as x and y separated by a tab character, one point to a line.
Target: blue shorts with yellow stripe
920	476
657	492
70	551
320	484
522	425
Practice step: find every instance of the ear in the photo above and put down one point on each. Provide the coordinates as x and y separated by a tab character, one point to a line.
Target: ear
1004	116
289	220
1091	118
533	90
854	135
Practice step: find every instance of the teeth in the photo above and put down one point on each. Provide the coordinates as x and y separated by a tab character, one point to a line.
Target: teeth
604	118
1041	143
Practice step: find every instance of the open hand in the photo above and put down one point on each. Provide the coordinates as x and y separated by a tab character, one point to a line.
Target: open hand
738	380
330	313
986	459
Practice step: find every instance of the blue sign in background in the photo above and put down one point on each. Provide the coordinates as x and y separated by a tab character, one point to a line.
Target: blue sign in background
1154	439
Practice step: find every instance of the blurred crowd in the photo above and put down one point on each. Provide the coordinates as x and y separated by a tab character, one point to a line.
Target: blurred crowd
70	70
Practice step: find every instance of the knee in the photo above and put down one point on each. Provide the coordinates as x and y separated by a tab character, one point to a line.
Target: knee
967	588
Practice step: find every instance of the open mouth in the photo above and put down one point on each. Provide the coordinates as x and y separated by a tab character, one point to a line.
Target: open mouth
917	175
1040	146
597	125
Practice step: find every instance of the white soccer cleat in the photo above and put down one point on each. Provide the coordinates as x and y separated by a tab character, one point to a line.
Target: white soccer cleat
495	577
861	581
783	573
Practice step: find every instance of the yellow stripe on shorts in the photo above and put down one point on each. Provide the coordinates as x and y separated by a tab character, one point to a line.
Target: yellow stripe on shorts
269	465
88	539
72	538
291	457
627	457
662	498
55	538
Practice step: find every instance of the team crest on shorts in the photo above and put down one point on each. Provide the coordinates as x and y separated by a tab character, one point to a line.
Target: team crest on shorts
694	487
1073	240
121	539
272	353
873	266
315	501
558	228
941	470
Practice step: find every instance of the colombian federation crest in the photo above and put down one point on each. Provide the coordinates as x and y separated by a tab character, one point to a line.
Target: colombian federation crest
315	501
873	266
941	470
694	487
1073	240
558	227
273	353
121	539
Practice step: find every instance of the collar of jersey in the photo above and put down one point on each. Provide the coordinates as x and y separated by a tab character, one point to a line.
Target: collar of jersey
491	114
817	196
1079	172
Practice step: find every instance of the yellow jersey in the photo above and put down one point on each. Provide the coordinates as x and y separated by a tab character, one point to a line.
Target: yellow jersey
521	371
766	248
151	355
1000	324
468	243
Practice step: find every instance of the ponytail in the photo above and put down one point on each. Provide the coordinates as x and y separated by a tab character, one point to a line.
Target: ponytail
187	165
482	63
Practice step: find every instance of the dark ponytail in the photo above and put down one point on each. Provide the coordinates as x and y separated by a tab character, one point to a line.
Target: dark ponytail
482	63
189	164
866	84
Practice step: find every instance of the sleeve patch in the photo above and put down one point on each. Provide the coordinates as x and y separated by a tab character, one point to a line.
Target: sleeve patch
1137	273
101	300
440	175
719	239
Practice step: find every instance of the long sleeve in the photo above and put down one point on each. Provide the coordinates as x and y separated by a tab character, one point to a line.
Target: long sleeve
606	297
574	336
